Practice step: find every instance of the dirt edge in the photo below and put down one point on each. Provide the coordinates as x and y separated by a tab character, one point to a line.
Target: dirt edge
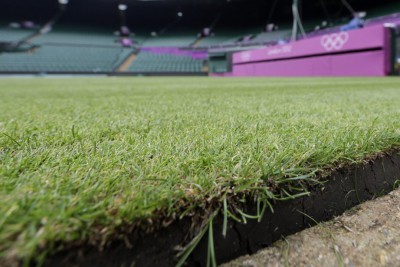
366	235
344	189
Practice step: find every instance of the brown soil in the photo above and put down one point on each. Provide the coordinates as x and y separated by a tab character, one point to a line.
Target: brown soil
367	235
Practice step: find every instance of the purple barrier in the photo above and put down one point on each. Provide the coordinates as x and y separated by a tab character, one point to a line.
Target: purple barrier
359	52
329	65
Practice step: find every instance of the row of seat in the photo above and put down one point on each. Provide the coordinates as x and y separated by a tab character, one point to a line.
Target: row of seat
63	58
157	62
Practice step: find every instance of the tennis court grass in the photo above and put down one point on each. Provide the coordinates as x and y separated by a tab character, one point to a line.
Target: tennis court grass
81	157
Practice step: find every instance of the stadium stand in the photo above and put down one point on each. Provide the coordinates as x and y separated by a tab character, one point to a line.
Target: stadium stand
164	60
222	37
77	49
65	58
80	38
267	37
65	51
13	35
392	18
170	40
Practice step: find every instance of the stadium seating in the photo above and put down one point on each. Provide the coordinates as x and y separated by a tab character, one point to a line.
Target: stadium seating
392	18
80	38
221	37
64	50
80	51
167	41
12	35
263	38
165	63
77	50
267	37
65	58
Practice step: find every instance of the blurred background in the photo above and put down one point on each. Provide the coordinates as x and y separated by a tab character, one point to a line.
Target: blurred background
162	36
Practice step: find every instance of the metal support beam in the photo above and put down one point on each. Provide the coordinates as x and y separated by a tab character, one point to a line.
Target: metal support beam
297	24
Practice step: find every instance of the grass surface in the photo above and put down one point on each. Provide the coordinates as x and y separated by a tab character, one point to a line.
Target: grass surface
80	157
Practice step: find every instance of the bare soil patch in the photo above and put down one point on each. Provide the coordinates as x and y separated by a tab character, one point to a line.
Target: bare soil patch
367	235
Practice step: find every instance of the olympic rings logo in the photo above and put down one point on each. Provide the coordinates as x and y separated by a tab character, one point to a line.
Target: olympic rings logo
334	41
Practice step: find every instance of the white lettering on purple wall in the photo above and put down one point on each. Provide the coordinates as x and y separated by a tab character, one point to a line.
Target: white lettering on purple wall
280	50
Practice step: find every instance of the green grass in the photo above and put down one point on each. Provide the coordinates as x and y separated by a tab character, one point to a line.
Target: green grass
81	157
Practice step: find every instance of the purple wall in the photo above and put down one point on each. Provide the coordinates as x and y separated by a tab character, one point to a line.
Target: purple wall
361	52
328	65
